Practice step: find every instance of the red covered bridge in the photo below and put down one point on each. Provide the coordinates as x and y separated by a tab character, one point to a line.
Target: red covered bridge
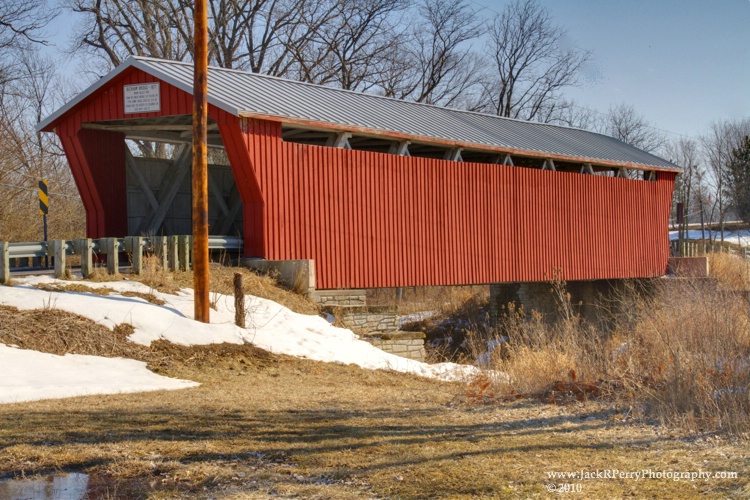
378	192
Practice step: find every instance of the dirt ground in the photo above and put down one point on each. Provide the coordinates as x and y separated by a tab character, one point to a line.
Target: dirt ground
263	426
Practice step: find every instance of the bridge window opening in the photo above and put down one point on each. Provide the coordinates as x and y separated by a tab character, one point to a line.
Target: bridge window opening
482	157
372	144
536	163
429	151
604	172
303	136
564	166
347	140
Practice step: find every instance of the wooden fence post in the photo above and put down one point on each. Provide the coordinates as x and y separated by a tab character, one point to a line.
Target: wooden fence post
239	301
85	248
58	249
112	251
185	243
4	263
159	247
134	245
173	253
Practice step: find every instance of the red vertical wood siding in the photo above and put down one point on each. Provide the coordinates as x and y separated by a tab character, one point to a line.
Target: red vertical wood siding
378	220
242	147
97	161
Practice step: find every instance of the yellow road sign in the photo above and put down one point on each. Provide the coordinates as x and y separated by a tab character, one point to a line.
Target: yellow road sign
43	198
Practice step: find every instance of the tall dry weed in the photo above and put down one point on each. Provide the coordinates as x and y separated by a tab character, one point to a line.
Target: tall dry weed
677	351
156	277
687	360
535	354
731	270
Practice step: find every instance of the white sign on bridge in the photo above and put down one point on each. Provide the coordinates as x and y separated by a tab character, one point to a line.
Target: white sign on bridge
142	98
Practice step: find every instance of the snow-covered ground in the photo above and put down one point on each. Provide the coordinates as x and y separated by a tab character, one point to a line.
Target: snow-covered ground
29	375
738	237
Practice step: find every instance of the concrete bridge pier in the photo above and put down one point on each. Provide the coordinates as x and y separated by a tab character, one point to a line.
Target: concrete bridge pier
595	301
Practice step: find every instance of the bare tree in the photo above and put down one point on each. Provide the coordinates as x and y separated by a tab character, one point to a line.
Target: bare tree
116	29
351	48
22	23
262	36
719	144
265	36
27	156
436	64
625	123
569	114
684	152
530	65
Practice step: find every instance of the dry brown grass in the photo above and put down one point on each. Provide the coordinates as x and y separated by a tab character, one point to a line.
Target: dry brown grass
100	275
687	361
220	282
731	270
264	425
296	428
679	352
446	300
104	291
536	354
59	332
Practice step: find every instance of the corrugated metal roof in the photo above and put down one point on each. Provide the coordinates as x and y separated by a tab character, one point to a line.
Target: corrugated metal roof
250	94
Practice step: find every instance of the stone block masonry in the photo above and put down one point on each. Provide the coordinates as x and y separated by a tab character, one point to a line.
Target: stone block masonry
363	319
405	344
332	298
377	325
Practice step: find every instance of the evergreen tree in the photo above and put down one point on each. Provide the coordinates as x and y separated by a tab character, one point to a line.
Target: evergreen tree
738	170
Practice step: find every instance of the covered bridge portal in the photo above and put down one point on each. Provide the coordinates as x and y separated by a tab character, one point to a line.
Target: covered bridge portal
378	192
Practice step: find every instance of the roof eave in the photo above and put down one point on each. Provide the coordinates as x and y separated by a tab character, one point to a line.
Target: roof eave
454	144
46	124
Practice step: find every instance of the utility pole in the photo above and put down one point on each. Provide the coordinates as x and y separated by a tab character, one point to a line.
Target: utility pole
200	163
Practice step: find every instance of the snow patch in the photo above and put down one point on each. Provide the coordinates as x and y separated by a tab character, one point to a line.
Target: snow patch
31	375
270	326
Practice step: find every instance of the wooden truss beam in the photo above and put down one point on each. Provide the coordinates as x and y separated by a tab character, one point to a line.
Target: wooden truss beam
235	207
453	155
168	189
340	140
400	148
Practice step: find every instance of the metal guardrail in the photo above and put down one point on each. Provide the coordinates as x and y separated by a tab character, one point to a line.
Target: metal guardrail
225	243
26	249
174	252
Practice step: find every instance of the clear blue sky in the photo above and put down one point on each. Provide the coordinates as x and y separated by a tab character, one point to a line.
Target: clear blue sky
681	63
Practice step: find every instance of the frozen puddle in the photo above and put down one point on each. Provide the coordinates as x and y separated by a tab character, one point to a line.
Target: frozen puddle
60	487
